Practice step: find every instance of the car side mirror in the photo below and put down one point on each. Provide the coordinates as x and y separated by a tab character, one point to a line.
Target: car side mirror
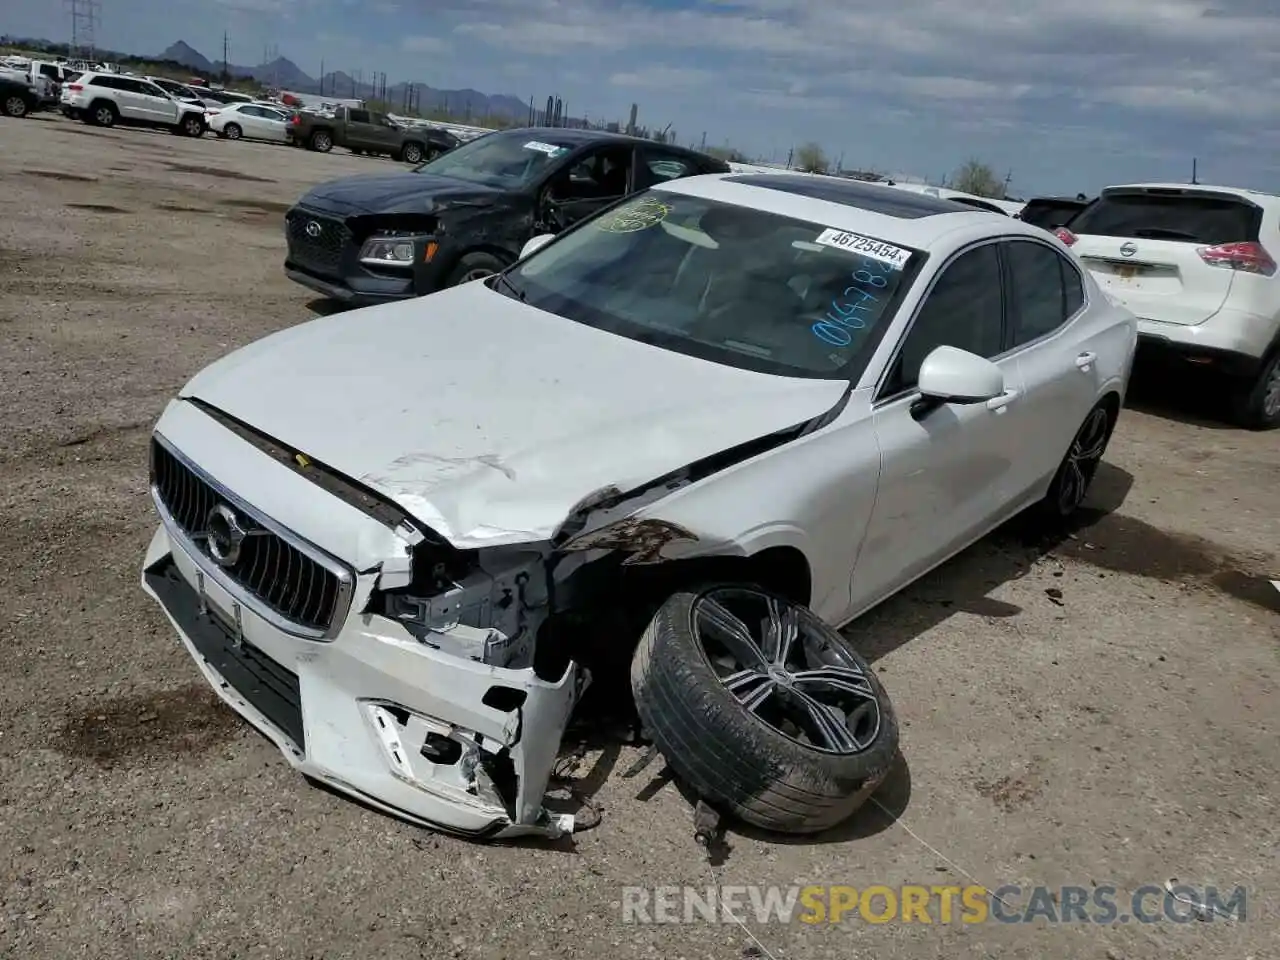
536	244
952	375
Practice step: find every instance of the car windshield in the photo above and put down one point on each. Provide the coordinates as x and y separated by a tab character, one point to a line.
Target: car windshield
723	282
499	159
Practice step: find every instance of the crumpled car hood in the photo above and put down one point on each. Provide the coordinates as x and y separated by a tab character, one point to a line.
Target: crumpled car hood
394	193
489	420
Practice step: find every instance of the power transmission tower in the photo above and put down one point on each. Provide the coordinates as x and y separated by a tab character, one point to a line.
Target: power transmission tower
85	15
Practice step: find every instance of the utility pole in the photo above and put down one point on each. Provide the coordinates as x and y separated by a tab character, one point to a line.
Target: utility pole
322	77
1194	179
1008	179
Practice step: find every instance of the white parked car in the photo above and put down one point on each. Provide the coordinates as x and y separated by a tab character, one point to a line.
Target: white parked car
738	409
251	121
1007	207
107	99
1197	264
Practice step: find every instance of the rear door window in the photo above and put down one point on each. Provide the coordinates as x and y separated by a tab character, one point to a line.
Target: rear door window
1045	290
1175	215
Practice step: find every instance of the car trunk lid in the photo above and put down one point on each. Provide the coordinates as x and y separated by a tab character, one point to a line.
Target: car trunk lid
1147	248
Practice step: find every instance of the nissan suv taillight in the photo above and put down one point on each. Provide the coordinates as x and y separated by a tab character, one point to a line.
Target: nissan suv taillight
1247	256
1065	235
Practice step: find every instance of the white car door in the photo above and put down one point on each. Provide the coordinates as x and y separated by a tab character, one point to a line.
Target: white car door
1058	354
157	105
946	476
275	125
127	96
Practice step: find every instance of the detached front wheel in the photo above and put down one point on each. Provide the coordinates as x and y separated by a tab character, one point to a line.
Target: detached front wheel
762	708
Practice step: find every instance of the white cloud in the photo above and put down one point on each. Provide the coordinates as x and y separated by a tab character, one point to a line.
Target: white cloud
659	77
424	43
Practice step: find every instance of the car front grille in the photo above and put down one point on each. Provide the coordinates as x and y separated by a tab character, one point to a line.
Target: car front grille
285	581
316	241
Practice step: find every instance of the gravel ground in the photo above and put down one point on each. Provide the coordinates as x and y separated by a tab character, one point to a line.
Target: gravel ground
1099	710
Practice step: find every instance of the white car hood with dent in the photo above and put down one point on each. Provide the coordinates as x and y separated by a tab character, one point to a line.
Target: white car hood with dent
489	420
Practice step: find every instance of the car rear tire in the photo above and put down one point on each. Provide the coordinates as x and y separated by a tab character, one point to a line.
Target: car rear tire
15	106
789	736
411	153
321	141
103	114
1079	466
1256	404
232	131
475	266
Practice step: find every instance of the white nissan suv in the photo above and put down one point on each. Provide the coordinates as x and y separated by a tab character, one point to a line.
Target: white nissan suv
105	99
1197	264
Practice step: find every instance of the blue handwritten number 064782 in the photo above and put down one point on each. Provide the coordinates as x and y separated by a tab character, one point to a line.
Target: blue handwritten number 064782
843	316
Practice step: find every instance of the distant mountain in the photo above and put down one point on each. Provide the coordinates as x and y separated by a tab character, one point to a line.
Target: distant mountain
287	75
183	53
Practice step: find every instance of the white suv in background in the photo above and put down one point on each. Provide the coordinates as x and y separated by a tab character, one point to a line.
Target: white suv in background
1197	264
105	99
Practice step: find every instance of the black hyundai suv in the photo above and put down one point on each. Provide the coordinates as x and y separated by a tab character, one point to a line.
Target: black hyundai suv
467	213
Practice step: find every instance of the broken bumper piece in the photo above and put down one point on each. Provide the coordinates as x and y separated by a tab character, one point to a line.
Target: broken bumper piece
434	739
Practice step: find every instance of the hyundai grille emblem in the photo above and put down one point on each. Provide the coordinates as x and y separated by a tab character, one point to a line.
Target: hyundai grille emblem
225	535
314	229
1128	249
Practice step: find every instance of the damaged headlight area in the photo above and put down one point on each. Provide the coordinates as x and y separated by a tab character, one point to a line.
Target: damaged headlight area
394	241
484	606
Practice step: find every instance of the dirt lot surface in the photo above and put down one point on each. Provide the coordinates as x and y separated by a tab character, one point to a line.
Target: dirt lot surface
1102	710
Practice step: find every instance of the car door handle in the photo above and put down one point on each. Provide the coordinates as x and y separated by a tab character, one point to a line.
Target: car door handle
1085	360
1002	401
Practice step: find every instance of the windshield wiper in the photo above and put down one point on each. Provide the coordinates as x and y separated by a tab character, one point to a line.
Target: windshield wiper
501	278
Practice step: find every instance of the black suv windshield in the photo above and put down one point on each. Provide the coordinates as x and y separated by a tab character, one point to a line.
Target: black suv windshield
727	283
506	160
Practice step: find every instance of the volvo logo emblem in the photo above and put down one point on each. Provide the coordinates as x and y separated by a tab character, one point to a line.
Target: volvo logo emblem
1128	248
314	229
225	535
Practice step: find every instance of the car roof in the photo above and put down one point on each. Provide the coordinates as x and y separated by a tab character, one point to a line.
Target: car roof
902	217
580	138
1256	196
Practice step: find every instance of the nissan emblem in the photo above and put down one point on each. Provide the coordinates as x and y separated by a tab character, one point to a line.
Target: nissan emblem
1128	248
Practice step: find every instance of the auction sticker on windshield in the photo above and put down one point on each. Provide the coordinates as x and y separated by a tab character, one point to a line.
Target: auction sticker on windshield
895	257
635	216
550	149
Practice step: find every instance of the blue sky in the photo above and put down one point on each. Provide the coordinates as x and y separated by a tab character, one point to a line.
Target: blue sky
1067	95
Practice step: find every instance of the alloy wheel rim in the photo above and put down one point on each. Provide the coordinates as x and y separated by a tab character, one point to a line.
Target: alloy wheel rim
233	132
105	117
412	155
15	106
1271	391
772	658
1082	460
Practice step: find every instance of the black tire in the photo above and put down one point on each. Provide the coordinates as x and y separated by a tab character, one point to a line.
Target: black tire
232	131
1079	465
735	759
473	266
1256	403
321	141
192	125
15	106
103	114
356	151
411	153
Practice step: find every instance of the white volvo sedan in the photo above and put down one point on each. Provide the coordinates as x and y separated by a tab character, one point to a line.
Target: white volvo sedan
693	435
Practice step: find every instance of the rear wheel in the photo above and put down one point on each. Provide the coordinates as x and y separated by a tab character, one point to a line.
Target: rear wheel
321	141
15	106
1257	402
475	266
1071	483
767	712
232	131
411	153
103	114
